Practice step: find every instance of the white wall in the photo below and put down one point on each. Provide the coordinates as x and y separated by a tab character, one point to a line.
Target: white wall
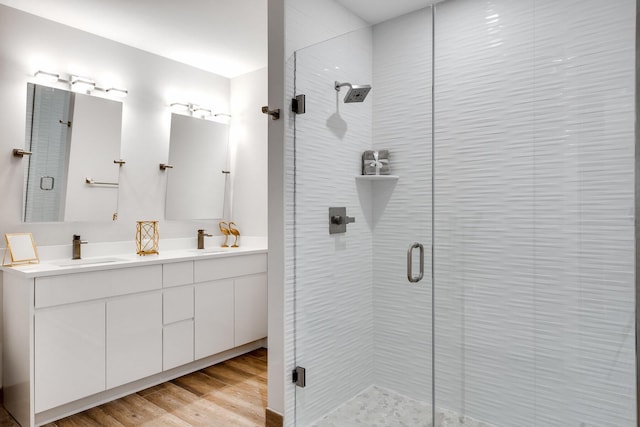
29	43
248	140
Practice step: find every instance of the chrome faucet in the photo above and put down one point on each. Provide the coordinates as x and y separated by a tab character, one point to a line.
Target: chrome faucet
201	236
76	246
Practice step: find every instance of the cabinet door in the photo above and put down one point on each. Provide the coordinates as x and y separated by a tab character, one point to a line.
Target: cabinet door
134	338
177	344
213	318
69	353
250	308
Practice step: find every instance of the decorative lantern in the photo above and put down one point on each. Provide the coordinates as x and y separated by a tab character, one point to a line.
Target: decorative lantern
147	237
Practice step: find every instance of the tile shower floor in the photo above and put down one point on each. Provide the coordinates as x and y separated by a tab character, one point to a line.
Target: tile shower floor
379	407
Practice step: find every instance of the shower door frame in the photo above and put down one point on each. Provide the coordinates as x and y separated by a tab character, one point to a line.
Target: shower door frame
637	210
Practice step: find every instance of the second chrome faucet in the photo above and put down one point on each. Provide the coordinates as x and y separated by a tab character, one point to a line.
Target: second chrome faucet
201	236
227	229
77	242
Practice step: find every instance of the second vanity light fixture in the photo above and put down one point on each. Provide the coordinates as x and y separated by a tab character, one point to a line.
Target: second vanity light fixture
80	83
195	110
192	109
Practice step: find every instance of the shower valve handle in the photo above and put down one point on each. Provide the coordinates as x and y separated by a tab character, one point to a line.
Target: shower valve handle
339	219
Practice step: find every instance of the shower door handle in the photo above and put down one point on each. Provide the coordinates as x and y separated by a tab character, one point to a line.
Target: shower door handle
410	276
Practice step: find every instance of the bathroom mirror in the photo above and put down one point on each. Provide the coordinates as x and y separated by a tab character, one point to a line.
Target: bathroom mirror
196	182
74	139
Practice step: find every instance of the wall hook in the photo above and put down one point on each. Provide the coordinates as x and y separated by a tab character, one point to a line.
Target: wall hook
275	114
17	152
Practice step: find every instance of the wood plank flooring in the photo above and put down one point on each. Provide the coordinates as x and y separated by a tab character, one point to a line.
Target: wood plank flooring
231	393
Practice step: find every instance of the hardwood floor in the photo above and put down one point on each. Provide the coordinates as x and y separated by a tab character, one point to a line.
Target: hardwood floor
231	393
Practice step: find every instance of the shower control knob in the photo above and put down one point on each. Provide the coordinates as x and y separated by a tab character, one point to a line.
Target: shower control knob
338	220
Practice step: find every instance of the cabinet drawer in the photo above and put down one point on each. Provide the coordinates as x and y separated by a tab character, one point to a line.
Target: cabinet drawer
177	304
76	287
177	344
177	273
222	268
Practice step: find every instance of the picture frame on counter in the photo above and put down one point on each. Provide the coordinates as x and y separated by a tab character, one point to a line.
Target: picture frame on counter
21	249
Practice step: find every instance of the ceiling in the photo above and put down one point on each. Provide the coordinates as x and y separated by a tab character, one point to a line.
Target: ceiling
377	11
226	37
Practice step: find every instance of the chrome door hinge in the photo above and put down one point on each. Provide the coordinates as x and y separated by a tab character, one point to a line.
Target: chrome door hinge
299	376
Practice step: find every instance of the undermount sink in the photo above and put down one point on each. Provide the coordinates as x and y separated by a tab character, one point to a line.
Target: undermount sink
86	261
209	250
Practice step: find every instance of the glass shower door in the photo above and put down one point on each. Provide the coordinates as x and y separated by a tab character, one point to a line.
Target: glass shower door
362	330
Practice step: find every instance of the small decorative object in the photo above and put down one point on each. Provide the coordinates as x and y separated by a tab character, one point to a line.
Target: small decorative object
147	237
375	162
224	229
21	249
235	232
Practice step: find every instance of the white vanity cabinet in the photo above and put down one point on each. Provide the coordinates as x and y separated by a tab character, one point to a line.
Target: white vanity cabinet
76	338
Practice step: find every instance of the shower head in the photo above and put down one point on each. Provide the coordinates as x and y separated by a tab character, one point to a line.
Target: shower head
356	93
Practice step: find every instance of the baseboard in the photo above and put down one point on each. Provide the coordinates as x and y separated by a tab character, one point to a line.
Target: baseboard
273	419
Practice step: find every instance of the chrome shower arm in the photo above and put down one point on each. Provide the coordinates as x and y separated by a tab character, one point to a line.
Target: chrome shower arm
338	85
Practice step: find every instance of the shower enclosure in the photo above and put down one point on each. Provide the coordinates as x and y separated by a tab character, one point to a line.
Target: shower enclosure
510	127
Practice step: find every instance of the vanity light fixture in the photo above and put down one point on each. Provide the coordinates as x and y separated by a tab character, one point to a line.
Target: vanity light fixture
79	83
201	112
118	93
46	76
82	84
193	109
180	107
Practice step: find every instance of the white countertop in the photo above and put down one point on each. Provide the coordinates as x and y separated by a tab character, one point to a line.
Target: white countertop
53	267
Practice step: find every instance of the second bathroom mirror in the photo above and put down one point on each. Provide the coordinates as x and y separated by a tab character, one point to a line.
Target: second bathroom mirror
196	182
